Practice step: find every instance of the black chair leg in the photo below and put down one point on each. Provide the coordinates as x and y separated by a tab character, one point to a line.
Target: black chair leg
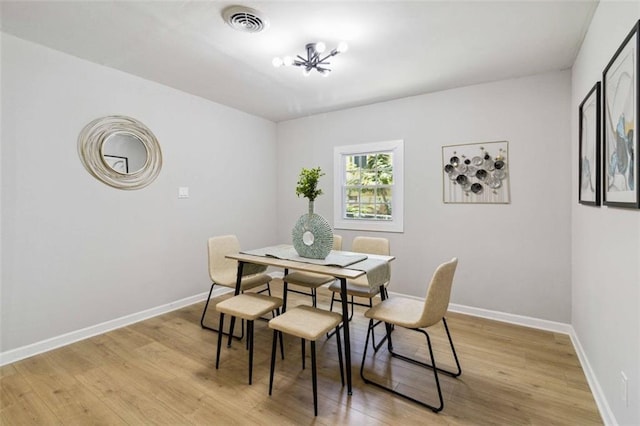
413	361
330	334
333	298
204	311
314	378
304	355
435	374
453	349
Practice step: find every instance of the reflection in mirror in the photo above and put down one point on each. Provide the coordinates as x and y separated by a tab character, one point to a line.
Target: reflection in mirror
124	152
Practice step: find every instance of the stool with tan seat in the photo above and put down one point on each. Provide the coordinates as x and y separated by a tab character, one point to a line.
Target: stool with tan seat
249	307
307	323
223	272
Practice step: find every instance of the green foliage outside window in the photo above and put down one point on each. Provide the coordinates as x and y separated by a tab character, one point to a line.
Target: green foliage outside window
369	182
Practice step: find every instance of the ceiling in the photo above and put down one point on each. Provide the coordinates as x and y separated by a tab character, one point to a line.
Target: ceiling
396	48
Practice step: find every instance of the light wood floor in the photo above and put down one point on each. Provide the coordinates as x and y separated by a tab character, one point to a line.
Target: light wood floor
162	371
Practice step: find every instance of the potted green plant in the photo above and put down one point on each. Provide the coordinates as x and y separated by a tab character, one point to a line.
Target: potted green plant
308	185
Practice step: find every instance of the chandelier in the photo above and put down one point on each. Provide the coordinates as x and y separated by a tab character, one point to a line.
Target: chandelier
314	59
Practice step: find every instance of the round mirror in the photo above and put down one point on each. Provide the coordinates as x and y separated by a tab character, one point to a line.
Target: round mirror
124	153
120	151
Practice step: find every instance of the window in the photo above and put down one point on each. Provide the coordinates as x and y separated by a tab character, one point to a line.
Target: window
368	181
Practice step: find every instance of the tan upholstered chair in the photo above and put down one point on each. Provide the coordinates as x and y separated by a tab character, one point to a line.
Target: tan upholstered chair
417	315
307	323
249	307
359	287
309	280
223	271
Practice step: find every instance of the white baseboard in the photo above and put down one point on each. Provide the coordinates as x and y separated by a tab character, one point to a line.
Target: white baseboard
557	327
601	401
65	339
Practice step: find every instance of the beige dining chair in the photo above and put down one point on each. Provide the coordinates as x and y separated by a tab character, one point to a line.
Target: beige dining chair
416	315
309	280
359	287
249	307
307	323
223	272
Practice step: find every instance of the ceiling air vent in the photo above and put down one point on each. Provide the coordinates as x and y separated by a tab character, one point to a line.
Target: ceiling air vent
245	19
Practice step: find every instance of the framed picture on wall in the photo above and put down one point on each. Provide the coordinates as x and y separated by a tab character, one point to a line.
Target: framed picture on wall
619	137
117	163
589	148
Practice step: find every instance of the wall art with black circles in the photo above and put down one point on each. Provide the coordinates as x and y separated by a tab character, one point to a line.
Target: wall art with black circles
476	173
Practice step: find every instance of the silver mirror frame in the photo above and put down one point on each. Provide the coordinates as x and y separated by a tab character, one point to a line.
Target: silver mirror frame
92	138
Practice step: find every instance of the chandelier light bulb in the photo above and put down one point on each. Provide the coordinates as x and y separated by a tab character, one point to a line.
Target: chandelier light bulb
342	47
320	47
287	61
277	62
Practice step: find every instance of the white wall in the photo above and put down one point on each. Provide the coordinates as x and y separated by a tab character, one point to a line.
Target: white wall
606	241
513	258
78	253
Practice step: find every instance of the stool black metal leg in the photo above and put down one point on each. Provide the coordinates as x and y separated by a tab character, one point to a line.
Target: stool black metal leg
338	341
281	344
231	326
219	341
250	341
314	378
304	355
273	359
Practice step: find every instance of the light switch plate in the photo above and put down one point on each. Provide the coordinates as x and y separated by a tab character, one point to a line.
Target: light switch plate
183	192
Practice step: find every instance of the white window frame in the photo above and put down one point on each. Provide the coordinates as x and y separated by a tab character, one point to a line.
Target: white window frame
397	201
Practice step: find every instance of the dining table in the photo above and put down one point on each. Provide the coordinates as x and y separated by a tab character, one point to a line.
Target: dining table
342	265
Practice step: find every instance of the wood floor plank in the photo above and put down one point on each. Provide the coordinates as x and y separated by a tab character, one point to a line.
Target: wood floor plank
162	371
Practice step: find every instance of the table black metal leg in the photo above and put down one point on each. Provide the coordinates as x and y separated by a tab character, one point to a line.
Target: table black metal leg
284	291
345	325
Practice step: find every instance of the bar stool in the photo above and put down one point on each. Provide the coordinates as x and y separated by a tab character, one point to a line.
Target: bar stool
249	307
307	323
